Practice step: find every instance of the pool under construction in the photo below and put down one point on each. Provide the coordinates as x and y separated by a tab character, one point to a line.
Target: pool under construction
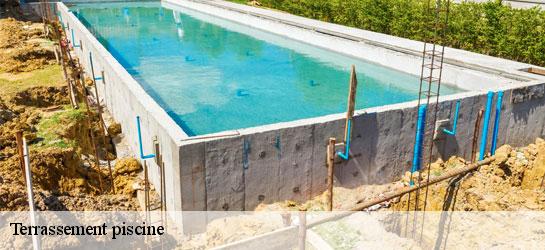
240	102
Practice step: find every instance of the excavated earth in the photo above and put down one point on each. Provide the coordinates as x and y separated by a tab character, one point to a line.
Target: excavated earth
514	181
61	151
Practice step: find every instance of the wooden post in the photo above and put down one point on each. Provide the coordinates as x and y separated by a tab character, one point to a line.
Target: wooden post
351	101
19	140
302	229
330	168
31	208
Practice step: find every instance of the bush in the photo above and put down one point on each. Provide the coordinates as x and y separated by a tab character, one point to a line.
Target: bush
487	28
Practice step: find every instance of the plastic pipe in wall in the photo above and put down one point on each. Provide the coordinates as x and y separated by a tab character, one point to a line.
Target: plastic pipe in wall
419	140
496	123
140	141
484	137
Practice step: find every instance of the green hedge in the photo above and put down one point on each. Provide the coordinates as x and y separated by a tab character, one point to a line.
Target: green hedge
487	28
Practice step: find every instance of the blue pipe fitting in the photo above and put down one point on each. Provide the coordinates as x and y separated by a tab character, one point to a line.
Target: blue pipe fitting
419	138
142	156
496	123
484	136
93	68
453	131
74	40
346	153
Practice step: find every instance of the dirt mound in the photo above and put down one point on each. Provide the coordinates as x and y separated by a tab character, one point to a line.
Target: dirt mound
514	181
42	97
5	113
126	175
22	120
22	46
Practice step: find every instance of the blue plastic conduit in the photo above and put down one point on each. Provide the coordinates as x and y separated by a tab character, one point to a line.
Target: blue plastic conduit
140	141
453	131
419	138
74	40
93	68
484	136
496	123
346	153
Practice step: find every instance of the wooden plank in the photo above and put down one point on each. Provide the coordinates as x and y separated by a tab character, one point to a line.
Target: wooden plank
351	100
536	71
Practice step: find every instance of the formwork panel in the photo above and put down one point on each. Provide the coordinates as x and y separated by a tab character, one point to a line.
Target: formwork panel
225	174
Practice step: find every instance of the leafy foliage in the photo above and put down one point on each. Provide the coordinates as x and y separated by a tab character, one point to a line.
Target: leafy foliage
488	28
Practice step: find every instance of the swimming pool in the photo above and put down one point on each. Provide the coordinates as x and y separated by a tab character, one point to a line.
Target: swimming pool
210	77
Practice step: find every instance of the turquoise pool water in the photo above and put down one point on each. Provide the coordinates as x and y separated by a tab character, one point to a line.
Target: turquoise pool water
211	75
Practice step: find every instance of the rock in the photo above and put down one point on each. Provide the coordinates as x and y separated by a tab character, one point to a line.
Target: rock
114	129
502	154
127	166
540	141
532	177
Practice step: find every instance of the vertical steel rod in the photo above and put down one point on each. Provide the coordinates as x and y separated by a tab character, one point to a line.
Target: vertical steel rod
476	135
330	170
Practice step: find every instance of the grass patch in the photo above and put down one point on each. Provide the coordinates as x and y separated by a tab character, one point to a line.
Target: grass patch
52	127
50	76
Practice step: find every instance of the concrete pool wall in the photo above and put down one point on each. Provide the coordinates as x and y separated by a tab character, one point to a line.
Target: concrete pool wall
238	170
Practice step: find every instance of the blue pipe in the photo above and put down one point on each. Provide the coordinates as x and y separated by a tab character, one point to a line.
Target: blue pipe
453	131
484	136
140	141
93	68
74	40
496	123
419	138
346	153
